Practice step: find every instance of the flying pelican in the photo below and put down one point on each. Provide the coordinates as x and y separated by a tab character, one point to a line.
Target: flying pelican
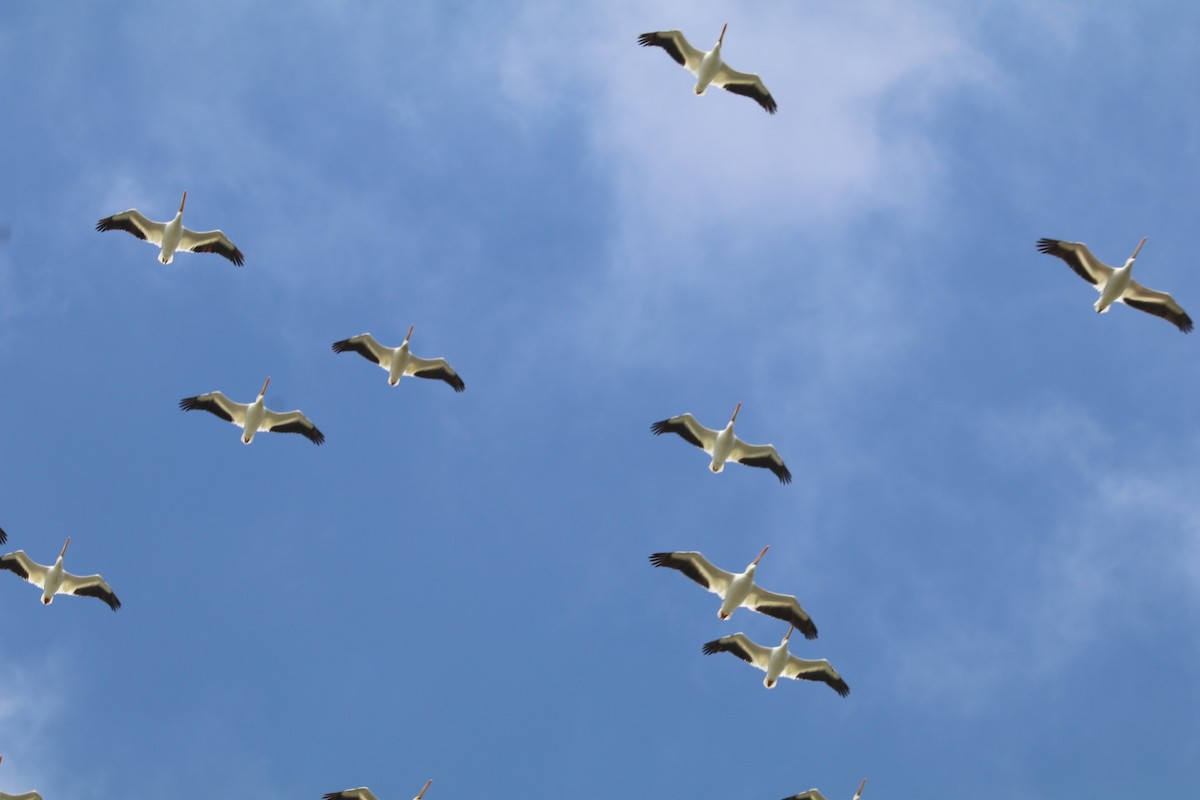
738	589
398	361
253	417
363	793
776	661
172	236
723	445
54	580
1117	285
709	68
813	794
26	796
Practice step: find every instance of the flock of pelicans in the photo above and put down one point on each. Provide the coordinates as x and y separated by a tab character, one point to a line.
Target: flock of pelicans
736	590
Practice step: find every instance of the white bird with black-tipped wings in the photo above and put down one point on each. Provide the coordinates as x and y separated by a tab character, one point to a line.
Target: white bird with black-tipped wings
171	236
399	361
813	794
1116	284
363	793
738	589
53	580
253	417
709	68
776	661
723	445
26	796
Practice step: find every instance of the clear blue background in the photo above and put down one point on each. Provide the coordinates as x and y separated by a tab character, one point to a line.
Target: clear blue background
994	522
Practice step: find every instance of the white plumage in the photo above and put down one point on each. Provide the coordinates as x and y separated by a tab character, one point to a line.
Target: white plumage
171	236
776	661
723	445
53	579
254	417
709	68
399	361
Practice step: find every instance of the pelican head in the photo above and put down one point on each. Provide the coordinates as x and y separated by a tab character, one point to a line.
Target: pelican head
408	335
858	794
426	786
754	563
64	550
263	390
1137	250
789	634
721	38
735	413
181	202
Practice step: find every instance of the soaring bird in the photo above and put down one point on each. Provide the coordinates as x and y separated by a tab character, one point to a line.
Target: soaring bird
172	236
738	589
1116	285
26	796
55	580
253	417
776	662
398	361
709	68
813	794
723	445
363	793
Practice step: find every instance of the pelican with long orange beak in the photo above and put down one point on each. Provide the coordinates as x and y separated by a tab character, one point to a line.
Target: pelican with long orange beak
709	68
172	236
738	589
1116	285
26	796
399	361
813	794
723	445
54	579
776	661
254	417
363	793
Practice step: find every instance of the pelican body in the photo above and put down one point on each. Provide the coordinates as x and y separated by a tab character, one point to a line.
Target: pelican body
172	236
709	68
738	589
363	793
399	361
813	794
254	417
723	445
55	579
777	662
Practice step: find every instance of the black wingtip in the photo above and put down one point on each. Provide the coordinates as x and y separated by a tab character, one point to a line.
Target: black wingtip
3	536
712	647
340	347
660	427
457	383
1045	245
189	403
659	559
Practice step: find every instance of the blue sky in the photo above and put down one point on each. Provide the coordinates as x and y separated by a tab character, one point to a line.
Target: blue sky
994	522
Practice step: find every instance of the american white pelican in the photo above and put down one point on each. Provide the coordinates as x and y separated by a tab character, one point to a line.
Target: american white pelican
776	661
738	589
254	417
172	236
55	580
26	796
709	68
363	793
723	445
813	794
1117	285
398	361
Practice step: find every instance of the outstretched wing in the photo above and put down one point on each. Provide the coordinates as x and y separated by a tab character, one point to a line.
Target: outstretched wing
292	422
132	221
819	670
90	586
740	646
685	425
677	47
361	793
217	404
760	455
746	84
437	369
1160	304
811	794
696	567
1078	258
781	606
211	242
3	536
365	345
24	567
